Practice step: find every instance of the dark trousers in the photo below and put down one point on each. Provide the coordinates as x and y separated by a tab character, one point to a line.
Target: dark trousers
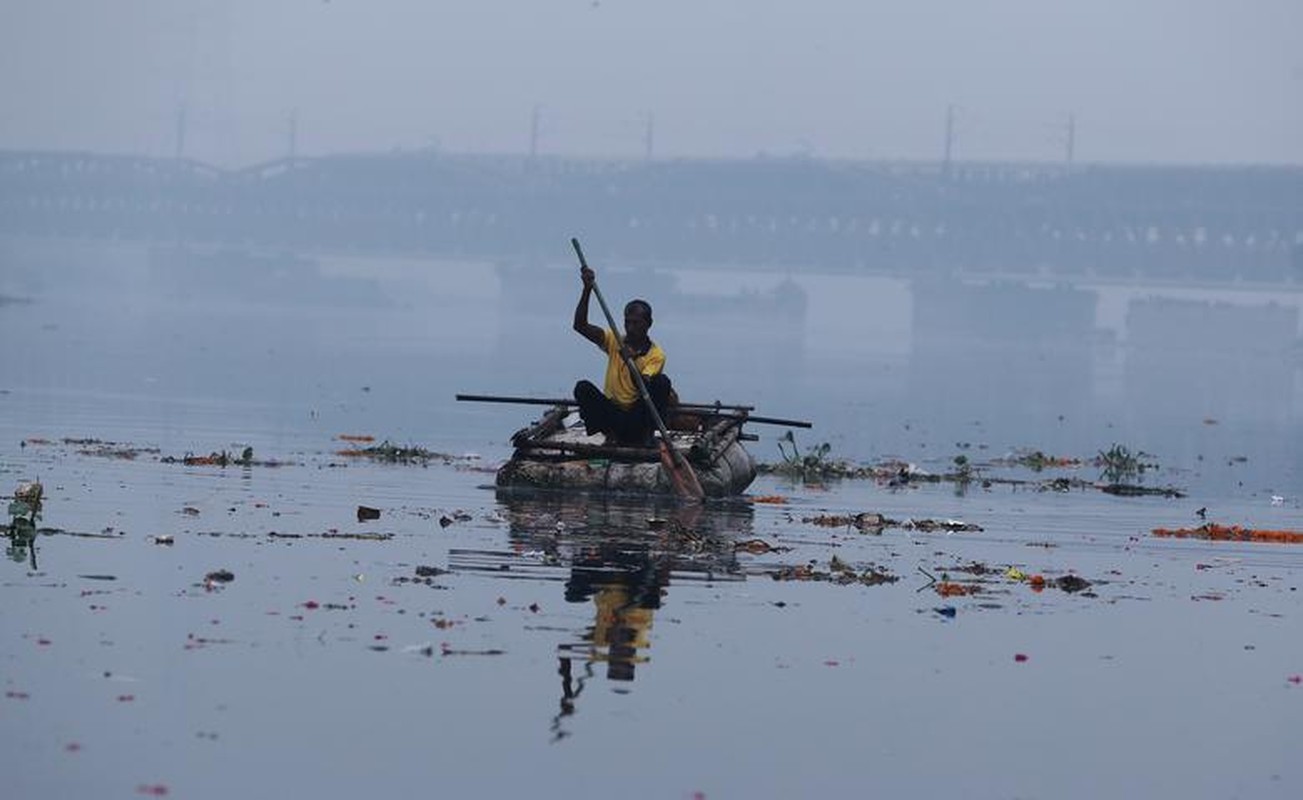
627	426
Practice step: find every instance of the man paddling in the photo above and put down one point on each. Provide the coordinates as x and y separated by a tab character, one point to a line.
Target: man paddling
618	411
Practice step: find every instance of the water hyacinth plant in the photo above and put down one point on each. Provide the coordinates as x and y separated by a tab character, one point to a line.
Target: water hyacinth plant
24	513
1119	465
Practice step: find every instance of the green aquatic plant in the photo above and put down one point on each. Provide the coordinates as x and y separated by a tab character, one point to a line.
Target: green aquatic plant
963	474
24	513
25	508
812	465
1118	464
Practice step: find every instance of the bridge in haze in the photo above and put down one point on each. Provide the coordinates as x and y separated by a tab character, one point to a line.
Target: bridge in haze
1206	225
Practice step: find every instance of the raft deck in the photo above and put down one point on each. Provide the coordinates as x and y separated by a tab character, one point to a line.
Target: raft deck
552	454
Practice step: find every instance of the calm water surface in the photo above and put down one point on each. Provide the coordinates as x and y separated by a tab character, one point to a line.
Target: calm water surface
582	646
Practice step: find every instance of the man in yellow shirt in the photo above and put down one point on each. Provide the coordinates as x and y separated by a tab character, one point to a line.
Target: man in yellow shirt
619	411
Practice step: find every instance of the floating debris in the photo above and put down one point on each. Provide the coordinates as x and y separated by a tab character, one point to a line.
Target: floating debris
865	521
331	534
975	568
360	537
1118	466
868	522
221	458
1037	461
758	547
948	525
1133	490
1231	533
838	572
446	650
1068	583
365	513
1072	583
953	589
1060	485
103	449
394	454
461	516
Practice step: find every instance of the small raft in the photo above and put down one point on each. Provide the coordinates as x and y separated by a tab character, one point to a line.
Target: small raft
552	454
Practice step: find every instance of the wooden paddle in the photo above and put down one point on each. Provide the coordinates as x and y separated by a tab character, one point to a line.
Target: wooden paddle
680	471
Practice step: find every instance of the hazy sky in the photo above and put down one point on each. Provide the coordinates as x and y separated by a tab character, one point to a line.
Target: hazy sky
1147	80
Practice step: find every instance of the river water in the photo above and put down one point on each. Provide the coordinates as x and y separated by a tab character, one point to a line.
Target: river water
583	646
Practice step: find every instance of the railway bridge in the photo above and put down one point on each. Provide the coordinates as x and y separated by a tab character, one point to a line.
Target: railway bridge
1208	225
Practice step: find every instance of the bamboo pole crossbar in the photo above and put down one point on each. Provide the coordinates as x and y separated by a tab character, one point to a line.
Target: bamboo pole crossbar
551	401
740	412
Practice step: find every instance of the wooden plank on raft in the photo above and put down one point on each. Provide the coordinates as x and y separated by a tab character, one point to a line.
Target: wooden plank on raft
608	451
549	424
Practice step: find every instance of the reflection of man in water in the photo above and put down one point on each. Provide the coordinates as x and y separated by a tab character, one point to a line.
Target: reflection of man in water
625	600
624	571
626	589
622	629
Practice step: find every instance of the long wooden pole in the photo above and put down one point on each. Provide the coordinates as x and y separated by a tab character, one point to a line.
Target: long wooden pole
685	480
696	407
570	401
737	412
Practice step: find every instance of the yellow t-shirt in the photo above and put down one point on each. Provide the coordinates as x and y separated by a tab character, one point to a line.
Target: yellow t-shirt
619	384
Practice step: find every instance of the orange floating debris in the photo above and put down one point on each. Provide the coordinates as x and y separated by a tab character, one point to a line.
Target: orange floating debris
772	499
951	589
1231	533
355	437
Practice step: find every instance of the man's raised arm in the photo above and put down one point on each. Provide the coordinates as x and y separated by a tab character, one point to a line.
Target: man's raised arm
586	329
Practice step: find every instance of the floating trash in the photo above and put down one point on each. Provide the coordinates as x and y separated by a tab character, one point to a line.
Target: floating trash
1231	533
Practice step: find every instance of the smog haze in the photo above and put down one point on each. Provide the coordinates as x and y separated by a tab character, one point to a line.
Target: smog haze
1170	81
